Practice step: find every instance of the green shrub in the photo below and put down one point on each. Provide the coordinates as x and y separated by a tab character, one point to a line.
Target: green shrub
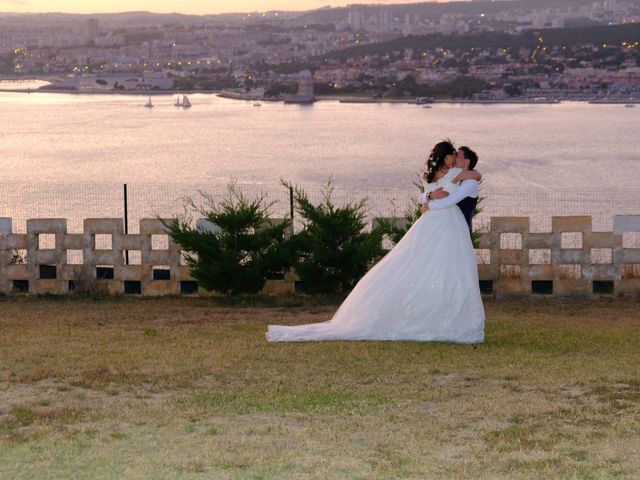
333	250
478	230
246	250
17	257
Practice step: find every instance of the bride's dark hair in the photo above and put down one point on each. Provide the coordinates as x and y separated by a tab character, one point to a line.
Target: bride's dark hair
436	159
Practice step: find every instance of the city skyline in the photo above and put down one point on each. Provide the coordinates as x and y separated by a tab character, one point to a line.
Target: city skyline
194	7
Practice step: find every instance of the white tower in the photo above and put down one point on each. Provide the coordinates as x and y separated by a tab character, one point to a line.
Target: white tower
305	85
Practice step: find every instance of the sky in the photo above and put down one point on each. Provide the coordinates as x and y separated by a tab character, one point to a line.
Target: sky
197	7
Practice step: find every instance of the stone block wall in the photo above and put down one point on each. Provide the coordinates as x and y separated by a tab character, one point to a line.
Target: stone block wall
572	259
569	260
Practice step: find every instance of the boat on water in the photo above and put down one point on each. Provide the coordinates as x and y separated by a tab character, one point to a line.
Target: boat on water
149	104
257	104
184	103
424	100
630	105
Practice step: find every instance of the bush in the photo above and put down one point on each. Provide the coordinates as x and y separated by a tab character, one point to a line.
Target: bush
87	285
17	257
242	253
333	250
278	89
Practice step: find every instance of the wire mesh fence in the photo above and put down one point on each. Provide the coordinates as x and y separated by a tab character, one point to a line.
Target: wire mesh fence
76	201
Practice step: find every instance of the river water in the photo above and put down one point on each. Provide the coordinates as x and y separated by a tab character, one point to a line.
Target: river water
69	155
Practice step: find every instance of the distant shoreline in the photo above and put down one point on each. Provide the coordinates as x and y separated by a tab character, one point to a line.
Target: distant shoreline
338	98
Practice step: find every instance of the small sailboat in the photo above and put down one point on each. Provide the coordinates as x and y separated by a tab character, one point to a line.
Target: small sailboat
185	102
178	104
149	104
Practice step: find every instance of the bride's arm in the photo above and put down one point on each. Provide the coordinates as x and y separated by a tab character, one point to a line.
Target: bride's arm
427	189
423	197
468	175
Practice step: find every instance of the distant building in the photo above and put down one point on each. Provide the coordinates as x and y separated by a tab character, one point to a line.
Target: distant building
410	21
385	20
105	82
305	89
305	85
91	28
356	19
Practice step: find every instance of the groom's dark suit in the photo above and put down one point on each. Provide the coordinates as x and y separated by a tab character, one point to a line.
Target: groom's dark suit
468	206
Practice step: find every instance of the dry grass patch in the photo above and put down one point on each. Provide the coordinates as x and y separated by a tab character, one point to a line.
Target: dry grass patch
188	388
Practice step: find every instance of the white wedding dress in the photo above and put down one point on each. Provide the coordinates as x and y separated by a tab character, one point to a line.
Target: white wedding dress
425	289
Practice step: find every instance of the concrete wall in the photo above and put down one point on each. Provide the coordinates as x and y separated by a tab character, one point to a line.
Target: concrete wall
569	260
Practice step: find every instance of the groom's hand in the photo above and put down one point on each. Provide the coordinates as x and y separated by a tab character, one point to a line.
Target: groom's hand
424	207
439	193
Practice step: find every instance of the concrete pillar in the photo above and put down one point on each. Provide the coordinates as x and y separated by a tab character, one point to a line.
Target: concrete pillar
5	256
5	226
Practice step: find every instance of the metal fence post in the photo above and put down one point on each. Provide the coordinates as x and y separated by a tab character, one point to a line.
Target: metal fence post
126	222
291	209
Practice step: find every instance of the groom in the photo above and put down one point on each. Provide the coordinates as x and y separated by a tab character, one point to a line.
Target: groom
466	195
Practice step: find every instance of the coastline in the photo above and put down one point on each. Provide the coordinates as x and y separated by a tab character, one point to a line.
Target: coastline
339	98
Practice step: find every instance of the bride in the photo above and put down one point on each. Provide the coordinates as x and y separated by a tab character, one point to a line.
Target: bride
425	289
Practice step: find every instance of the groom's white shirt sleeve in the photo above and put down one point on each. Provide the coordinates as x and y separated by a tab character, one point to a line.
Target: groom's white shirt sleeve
468	188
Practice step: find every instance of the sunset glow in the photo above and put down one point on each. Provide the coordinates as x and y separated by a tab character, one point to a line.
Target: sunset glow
197	7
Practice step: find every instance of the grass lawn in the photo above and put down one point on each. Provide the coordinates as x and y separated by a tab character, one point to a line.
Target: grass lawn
189	388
